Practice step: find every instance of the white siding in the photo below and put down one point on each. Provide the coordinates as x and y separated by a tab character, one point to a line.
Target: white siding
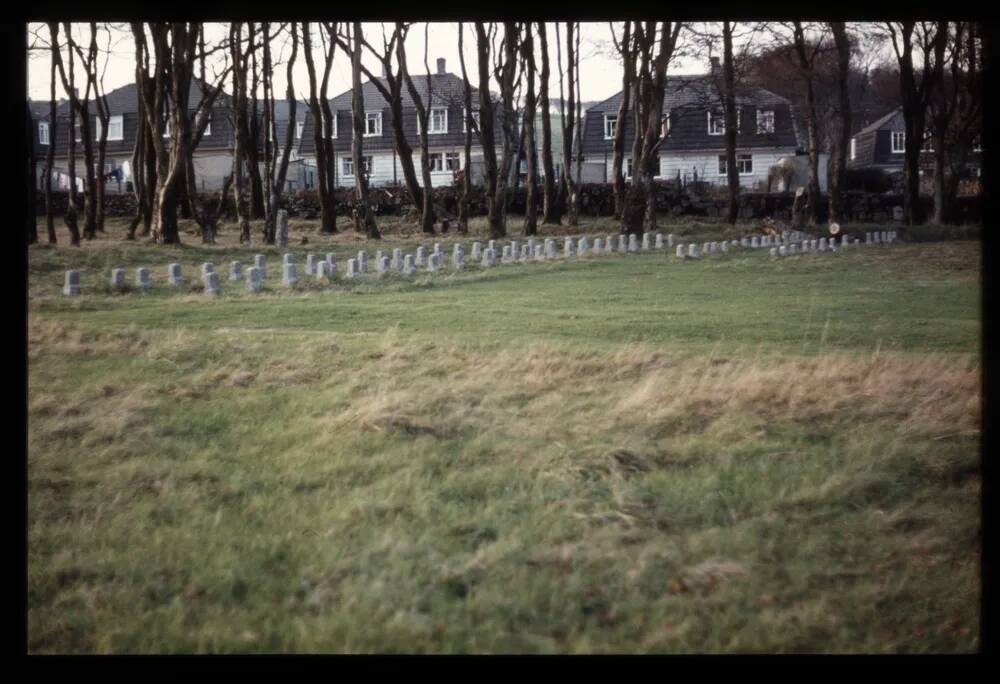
385	174
707	165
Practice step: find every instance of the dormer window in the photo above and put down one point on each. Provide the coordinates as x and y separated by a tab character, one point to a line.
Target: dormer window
43	133
439	120
610	126
373	124
716	123
465	120
898	142
765	121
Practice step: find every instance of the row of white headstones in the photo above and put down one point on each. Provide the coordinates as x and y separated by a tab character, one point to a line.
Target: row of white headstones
788	243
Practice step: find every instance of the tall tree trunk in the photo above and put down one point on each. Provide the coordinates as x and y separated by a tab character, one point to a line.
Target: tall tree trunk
324	180
423	119
32	217
470	122
364	221
549	213
838	181
729	107
487	135
50	225
617	176
572	203
531	154
806	66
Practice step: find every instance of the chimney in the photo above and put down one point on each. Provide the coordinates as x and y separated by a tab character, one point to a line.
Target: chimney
715	65
440	65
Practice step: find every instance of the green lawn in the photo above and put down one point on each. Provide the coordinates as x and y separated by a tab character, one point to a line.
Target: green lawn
616	454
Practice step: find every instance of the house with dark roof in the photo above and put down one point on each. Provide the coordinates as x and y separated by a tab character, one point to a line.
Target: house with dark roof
213	158
694	146
882	145
446	135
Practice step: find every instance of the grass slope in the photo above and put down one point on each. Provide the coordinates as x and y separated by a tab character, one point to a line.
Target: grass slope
624	454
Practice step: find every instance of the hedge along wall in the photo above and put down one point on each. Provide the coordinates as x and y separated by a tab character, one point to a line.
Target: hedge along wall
596	199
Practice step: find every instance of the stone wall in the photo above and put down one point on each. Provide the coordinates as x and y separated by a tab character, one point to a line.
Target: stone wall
596	199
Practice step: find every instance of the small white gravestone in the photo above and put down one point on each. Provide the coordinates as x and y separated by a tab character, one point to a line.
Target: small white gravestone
458	257
515	249
432	263
658	244
724	246
409	268
774	251
235	271
633	242
378	257
142	278
670	239
505	256
71	286
568	247
378	263
822	244
287	258
362	262
550	248
531	245
539	253
645	241
680	251
331	266
792	249
489	257
174	274
260	263
754	242
525	252
383	264
310	264
322	270
477	251
622	243
743	242
704	248
118	278
438	249
598	246
207	268
782	250
582	247
352	269
868	238
281	229
211	281
254	279
290	275
692	251
397	259
877	237
492	244
609	244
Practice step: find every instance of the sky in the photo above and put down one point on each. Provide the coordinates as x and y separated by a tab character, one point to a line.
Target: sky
600	71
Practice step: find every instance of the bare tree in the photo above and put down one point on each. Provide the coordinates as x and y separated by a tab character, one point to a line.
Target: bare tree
492	178
53	132
392	92
319	109
550	214
838	180
276	176
626	50
655	46
806	62
569	122
528	127
364	220
470	123
916	93
423	118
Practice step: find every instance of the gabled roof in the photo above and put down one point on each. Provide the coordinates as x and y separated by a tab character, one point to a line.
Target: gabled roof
125	100
879	123
698	90
446	88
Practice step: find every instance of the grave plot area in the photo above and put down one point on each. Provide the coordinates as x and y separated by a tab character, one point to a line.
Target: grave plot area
622	454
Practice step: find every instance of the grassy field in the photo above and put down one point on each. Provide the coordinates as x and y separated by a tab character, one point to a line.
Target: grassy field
617	454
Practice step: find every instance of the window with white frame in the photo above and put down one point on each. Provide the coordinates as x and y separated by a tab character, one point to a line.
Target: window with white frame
854	149
465	120
452	161
208	124
299	125
765	121
744	164
115	128
367	165
898	142
43	133
436	161
716	123
439	120
373	124
610	126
